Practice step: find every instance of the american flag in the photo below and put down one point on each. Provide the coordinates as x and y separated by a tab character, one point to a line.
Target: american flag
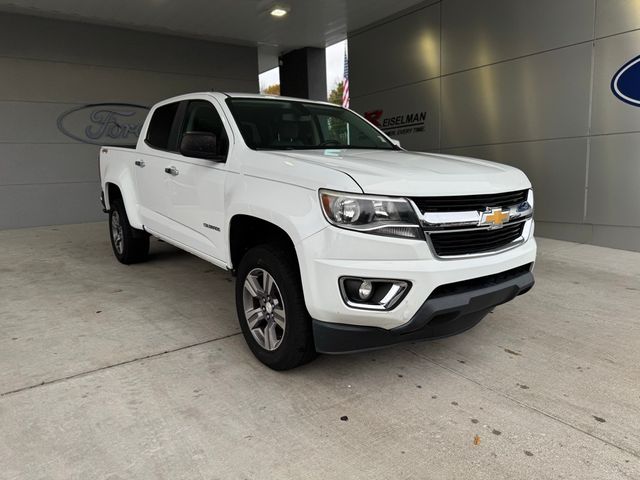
345	90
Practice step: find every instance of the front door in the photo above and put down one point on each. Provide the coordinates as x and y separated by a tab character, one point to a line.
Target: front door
195	188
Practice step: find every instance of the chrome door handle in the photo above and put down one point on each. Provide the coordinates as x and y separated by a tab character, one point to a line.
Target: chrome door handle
139	163
171	171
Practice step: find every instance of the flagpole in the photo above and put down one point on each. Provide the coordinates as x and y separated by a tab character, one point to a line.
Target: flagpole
345	86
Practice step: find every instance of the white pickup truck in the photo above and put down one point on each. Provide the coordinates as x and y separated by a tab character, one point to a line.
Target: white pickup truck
340	240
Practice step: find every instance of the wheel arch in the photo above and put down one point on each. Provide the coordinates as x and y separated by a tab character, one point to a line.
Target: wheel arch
241	241
123	188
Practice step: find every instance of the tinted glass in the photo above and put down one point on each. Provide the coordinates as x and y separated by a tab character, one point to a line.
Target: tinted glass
289	125
160	126
201	116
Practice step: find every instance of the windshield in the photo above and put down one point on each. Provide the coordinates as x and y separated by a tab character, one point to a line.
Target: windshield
268	124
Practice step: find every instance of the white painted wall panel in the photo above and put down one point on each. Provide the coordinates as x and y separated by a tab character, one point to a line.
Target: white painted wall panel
626	238
48	163
556	168
49	204
615	16
614	180
43	81
72	42
476	33
49	67
533	98
32	123
400	52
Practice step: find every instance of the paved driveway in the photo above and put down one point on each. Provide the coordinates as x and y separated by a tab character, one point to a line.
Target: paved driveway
114	372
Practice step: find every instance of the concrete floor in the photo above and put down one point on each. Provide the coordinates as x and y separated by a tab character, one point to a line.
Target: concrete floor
114	372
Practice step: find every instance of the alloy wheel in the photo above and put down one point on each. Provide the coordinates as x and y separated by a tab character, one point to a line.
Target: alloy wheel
264	309
116	231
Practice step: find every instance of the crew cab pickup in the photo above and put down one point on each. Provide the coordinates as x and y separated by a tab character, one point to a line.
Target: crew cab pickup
340	240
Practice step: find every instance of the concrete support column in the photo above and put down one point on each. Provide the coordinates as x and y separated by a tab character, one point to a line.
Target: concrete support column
303	74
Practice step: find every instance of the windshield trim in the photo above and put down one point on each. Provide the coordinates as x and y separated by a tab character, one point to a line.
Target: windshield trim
316	147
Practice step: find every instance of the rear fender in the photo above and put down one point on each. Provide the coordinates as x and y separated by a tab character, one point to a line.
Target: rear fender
121	176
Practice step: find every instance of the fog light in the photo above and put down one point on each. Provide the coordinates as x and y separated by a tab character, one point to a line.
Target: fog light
365	290
372	293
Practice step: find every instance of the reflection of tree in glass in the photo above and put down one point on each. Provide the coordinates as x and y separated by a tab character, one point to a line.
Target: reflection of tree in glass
338	127
338	130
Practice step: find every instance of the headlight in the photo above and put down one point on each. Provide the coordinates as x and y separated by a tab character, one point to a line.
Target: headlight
393	217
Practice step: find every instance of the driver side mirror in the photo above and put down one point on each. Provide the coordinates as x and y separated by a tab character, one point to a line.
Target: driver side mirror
396	142
200	145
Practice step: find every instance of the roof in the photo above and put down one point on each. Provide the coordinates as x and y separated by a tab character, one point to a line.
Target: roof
188	96
273	97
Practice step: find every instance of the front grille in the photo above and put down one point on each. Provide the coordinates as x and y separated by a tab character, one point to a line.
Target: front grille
473	241
470	202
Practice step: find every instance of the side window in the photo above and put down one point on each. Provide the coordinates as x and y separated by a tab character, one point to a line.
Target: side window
202	117
159	130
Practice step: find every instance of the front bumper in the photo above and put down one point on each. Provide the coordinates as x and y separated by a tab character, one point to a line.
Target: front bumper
333	253
449	310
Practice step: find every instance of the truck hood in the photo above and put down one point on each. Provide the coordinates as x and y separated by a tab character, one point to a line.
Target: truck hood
398	172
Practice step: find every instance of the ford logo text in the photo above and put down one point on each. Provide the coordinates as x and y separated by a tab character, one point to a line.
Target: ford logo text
114	124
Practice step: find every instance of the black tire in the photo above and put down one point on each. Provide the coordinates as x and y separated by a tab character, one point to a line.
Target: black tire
296	345
132	245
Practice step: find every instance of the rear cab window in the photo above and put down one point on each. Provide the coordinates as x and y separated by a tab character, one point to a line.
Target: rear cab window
159	133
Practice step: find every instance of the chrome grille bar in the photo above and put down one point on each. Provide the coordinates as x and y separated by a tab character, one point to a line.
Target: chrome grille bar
455	233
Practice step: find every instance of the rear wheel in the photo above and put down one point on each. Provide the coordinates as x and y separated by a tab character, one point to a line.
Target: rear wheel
129	244
271	309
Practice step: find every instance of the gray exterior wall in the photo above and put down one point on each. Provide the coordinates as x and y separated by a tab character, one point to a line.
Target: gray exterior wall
521	82
49	67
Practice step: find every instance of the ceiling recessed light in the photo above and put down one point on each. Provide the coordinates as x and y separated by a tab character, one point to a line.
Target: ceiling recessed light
278	12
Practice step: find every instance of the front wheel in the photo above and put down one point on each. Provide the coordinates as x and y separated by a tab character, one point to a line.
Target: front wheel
271	310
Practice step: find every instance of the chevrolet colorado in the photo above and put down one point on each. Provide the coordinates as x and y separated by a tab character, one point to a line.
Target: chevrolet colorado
340	240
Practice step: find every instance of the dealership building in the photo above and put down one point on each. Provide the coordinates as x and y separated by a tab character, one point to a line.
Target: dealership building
222	310
524	83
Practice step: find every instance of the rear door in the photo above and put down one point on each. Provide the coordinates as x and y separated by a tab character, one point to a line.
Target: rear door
151	178
195	190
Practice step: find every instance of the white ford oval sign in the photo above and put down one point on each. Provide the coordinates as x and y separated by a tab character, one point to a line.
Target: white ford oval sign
114	124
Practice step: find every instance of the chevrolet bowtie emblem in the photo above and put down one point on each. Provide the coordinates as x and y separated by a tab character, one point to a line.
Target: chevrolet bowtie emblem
494	218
